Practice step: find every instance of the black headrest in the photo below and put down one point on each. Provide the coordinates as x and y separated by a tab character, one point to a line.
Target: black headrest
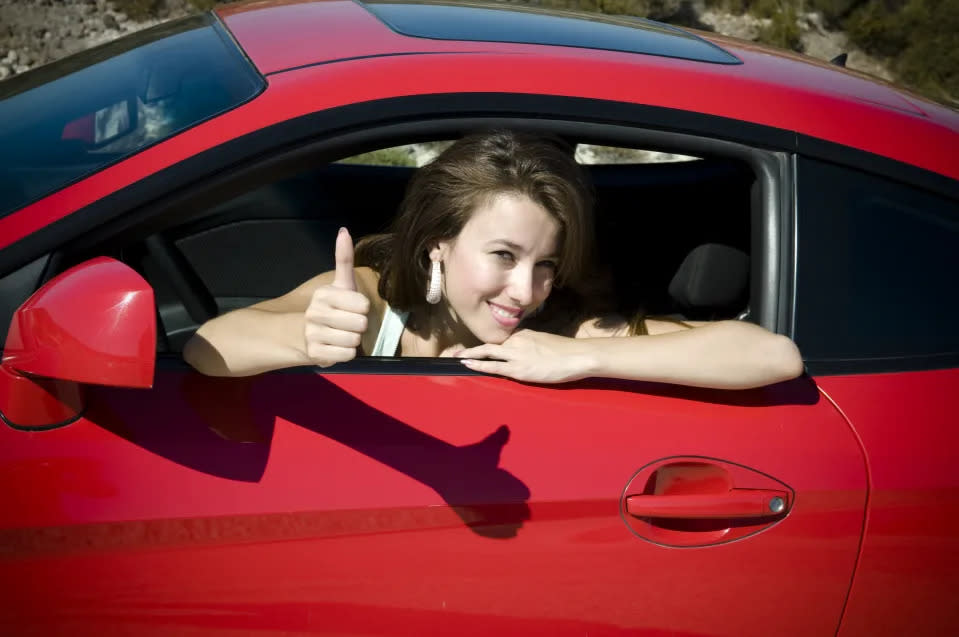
712	277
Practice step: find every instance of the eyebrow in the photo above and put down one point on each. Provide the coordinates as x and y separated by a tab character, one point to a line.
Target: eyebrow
518	248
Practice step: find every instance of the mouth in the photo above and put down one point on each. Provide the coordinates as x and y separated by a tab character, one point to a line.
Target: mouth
508	317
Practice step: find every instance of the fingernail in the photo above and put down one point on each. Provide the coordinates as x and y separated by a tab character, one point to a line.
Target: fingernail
342	229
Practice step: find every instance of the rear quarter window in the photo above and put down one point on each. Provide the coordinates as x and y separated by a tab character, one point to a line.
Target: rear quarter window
876	272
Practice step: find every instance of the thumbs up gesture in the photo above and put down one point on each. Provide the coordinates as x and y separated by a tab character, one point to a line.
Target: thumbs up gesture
336	318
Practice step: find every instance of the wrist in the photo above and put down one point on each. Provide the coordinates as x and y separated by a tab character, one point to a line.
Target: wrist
589	358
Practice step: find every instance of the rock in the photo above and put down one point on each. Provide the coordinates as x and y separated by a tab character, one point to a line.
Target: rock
661	9
110	22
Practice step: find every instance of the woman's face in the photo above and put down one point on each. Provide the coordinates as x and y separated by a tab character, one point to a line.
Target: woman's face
501	266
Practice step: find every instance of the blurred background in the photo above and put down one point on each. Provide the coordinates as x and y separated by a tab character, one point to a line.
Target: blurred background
912	43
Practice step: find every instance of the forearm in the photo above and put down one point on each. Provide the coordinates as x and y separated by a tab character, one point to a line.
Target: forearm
723	355
246	342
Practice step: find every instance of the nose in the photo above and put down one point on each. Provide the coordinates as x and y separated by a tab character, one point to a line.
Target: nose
521	285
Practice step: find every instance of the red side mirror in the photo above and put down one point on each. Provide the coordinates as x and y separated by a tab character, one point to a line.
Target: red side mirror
95	324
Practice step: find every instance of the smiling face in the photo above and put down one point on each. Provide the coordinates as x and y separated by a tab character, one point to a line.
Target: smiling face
500	267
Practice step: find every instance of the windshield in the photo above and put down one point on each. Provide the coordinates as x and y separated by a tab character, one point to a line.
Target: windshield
68	119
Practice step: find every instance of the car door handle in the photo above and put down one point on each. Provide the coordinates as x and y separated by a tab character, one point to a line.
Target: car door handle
735	503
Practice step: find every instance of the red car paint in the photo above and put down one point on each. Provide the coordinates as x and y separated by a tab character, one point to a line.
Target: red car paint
45	339
910	552
342	504
826	103
296	503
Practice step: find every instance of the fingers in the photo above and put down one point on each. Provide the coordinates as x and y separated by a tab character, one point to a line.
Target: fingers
327	355
484	351
469	358
336	317
322	335
328	298
500	368
344	320
344	277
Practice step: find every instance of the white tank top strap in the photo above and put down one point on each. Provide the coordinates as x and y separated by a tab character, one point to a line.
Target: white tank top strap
388	340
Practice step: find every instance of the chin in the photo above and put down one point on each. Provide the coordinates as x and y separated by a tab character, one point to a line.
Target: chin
492	335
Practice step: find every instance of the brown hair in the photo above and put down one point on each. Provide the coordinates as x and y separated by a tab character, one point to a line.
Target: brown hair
441	197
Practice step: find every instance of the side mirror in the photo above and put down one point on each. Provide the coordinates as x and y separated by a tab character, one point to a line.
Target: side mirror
93	324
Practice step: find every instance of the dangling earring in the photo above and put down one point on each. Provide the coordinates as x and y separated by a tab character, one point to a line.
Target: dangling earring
433	292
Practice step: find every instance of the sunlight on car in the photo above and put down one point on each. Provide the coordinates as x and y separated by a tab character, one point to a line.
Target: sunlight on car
590	154
413	155
416	155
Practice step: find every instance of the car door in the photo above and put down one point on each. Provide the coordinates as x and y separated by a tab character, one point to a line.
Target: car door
410	497
431	500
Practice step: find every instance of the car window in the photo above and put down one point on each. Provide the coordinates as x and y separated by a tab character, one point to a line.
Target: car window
264	242
586	154
590	154
410	155
876	271
71	118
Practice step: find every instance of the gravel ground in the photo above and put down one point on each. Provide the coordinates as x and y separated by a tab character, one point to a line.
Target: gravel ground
34	32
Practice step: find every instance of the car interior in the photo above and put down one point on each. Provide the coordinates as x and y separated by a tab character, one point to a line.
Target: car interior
673	239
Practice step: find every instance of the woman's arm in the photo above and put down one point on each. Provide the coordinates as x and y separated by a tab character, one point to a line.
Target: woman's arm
721	355
321	322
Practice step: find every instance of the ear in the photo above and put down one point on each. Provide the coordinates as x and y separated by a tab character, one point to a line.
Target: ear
439	250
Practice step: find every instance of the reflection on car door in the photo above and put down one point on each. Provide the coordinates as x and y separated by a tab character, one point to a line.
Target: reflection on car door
425	503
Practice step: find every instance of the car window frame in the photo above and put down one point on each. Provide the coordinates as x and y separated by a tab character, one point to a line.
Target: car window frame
831	361
182	192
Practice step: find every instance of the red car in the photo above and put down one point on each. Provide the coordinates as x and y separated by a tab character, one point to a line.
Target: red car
152	183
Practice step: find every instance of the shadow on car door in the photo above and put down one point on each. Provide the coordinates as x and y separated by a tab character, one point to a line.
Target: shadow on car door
429	503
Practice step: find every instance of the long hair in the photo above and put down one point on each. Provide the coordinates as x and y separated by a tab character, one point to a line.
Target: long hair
442	196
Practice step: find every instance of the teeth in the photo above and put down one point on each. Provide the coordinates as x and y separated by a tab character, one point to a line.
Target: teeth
501	312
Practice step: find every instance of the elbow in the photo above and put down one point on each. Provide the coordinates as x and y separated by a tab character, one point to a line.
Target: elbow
191	353
783	359
769	358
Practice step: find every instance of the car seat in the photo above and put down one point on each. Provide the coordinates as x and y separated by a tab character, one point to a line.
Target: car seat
711	283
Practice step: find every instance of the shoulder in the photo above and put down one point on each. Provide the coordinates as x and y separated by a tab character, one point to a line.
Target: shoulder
602	327
367	282
616	325
298	299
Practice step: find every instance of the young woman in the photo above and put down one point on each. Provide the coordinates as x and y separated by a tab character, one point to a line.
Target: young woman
484	235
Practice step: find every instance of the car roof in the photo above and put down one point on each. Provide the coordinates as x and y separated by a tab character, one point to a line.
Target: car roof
280	35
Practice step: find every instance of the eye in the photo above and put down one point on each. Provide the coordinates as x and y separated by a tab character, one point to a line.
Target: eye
505	256
552	265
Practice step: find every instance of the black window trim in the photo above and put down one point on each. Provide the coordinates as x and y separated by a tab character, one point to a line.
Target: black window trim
771	151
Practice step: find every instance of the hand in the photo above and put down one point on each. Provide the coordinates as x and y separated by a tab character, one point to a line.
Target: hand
336	318
535	357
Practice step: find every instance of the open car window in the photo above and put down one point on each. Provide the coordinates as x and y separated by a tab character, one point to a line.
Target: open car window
651	219
660	225
586	154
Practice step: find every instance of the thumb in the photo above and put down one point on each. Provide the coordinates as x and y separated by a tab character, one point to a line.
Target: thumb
343	278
